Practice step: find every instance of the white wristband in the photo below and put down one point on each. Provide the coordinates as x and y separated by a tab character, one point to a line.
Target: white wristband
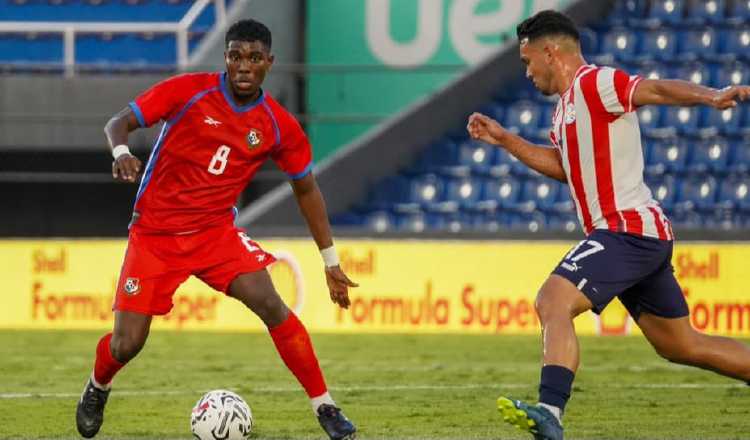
120	150
330	256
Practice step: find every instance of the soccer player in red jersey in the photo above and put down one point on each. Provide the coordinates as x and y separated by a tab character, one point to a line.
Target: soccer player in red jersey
218	129
627	253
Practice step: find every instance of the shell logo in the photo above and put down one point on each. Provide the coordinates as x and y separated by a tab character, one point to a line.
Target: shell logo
287	277
614	320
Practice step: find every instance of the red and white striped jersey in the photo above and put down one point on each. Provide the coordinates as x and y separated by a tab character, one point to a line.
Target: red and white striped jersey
596	130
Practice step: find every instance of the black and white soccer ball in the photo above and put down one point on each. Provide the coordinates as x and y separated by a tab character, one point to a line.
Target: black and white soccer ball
221	415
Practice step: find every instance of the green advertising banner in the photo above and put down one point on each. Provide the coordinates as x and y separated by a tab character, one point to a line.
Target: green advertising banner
368	59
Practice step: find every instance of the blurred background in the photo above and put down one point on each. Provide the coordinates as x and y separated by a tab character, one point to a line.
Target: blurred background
383	89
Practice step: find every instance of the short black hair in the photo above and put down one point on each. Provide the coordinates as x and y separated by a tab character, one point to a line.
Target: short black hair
248	30
547	23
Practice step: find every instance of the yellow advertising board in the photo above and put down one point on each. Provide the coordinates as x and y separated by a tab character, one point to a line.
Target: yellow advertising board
405	286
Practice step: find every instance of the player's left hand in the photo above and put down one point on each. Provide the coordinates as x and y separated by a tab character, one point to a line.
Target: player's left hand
728	97
338	286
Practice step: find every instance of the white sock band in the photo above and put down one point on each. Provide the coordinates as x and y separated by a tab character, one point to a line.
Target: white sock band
324	398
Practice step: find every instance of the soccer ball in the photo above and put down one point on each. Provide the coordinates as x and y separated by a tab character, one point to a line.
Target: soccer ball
221	415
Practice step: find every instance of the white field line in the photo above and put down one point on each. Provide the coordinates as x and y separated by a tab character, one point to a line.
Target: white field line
490	386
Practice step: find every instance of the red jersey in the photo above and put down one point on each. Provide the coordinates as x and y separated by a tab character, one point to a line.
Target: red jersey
208	150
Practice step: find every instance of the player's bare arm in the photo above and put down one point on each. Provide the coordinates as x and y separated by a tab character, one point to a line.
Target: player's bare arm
125	167
542	159
685	93
313	208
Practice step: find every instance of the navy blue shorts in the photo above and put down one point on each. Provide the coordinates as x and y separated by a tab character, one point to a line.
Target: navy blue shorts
637	270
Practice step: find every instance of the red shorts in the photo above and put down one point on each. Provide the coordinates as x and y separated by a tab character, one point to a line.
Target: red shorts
156	264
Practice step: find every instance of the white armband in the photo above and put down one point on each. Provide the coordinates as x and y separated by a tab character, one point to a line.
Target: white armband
330	256
120	150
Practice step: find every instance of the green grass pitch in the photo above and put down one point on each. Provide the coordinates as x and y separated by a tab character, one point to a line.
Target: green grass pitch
391	386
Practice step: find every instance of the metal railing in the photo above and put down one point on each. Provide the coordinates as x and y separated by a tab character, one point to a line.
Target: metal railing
70	29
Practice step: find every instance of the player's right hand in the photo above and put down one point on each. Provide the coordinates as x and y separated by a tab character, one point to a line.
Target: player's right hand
126	168
485	129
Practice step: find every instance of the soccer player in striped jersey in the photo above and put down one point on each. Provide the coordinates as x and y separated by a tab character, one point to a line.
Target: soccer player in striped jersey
596	150
219	128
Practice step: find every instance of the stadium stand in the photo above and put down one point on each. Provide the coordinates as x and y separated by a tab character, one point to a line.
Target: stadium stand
109	34
697	159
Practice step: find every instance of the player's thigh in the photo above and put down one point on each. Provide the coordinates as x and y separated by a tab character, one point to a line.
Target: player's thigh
607	263
672	338
257	292
559	295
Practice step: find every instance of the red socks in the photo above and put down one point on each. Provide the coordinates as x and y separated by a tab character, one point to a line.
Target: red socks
106	365
293	344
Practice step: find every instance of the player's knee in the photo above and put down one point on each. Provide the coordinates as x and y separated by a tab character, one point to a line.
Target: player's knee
270	308
547	308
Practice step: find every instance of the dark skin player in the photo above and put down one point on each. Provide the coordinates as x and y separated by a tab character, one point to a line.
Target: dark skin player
247	64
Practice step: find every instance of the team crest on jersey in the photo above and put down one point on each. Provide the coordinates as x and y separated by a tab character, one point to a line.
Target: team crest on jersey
570	113
254	138
132	286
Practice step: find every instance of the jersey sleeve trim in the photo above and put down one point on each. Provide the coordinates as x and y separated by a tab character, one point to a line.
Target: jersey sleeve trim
302	173
138	113
631	91
276	130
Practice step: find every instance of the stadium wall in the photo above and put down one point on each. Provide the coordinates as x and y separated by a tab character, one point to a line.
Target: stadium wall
464	287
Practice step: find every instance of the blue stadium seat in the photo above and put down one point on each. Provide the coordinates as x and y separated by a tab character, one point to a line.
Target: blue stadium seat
735	194
686	220
709	156
464	192
723	219
31	48
560	222
683	119
652	70
697	192
113	10
505	192
477	155
664	190
426	189
728	122
736	43
706	11
523	117
589	41
416	222
698	43
505	163
667	11
386	193
740	157
380	221
543	192
531	222
738	12
650	117
667	156
731	74
435	158
620	43
659	45
697	73
627	10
